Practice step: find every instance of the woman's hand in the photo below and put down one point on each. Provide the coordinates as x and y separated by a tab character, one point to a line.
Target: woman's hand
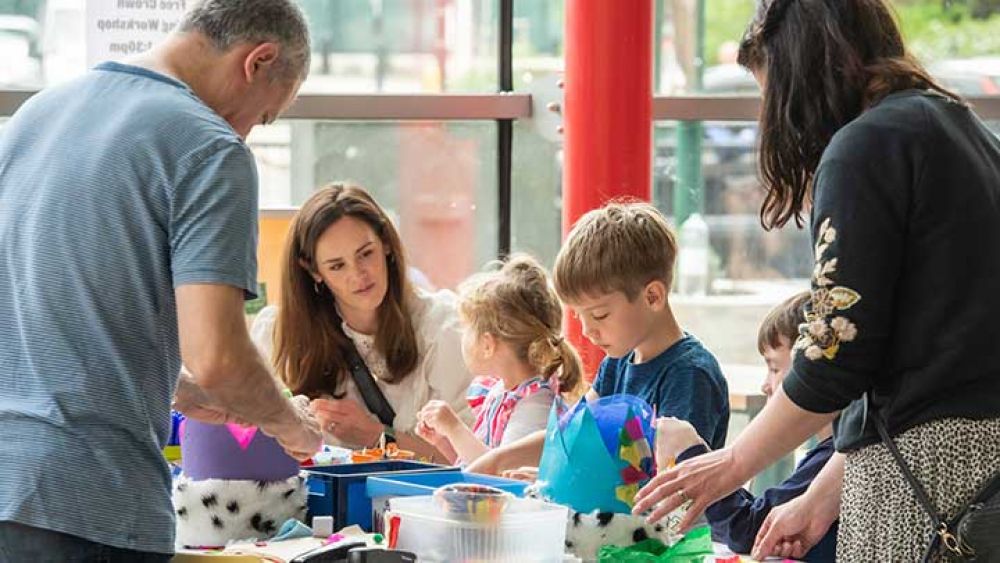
347	421
673	436
793	528
439	417
701	481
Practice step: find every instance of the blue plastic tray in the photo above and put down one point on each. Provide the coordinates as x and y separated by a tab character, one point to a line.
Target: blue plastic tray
425	483
339	490
381	489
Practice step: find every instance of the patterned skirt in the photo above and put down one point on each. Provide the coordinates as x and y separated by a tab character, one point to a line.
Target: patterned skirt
880	517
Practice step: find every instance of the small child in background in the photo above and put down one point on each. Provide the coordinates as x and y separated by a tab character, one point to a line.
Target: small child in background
512	322
736	519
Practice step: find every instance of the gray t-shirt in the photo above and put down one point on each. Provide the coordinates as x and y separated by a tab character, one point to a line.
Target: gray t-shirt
114	189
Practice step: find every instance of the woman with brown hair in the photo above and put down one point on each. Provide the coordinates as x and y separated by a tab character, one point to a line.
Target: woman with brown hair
346	297
903	182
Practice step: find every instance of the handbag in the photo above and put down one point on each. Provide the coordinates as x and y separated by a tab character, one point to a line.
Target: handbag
374	398
971	535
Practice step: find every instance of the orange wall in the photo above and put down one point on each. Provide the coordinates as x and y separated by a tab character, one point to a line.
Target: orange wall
270	253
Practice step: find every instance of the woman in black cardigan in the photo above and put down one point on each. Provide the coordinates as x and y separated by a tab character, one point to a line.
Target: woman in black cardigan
902	185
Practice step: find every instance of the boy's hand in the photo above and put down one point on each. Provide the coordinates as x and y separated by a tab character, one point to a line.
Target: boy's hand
439	417
529	474
673	436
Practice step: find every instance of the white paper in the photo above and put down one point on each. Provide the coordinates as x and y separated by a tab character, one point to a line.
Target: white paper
116	29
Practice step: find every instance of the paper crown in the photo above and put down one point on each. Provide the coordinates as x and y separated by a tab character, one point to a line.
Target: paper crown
598	456
231	451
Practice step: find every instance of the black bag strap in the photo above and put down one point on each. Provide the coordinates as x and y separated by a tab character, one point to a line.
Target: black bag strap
942	528
374	398
918	489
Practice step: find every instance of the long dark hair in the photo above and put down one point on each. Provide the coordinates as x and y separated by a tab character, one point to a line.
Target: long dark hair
824	62
310	344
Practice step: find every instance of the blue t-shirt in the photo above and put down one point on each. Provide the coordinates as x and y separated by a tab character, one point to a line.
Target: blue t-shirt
684	381
115	188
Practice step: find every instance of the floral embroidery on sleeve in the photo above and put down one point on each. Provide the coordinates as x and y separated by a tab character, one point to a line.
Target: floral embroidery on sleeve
820	336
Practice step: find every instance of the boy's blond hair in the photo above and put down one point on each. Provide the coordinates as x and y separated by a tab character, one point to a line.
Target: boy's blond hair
622	246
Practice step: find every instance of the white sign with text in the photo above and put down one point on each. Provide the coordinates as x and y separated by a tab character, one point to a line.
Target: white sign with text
117	29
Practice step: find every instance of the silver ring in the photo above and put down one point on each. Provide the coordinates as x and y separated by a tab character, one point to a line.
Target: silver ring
683	495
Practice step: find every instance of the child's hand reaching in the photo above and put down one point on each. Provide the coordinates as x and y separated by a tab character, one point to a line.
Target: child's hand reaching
529	474
430	436
439	441
673	436
439	417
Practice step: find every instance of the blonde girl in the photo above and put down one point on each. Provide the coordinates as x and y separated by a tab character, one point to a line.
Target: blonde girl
511	337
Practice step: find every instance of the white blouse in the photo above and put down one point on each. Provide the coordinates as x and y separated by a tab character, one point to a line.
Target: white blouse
440	372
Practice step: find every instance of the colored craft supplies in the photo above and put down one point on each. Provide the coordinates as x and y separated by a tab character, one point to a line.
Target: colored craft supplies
475	503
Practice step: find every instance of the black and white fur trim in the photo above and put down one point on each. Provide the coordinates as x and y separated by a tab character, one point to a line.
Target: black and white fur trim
214	512
586	533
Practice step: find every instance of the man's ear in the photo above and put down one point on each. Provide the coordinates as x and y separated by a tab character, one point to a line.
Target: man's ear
260	60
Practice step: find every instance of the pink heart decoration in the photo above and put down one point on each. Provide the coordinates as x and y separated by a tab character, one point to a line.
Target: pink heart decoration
242	434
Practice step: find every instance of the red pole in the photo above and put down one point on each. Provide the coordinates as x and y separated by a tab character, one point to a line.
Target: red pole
607	115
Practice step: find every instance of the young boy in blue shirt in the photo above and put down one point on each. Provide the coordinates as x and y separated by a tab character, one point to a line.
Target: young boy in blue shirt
614	272
736	519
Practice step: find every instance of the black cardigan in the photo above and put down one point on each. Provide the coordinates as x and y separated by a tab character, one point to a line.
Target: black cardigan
906	290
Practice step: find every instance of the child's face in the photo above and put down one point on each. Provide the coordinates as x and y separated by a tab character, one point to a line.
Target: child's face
779	361
612	322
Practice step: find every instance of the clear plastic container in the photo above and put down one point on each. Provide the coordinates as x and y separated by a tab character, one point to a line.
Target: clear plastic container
529	530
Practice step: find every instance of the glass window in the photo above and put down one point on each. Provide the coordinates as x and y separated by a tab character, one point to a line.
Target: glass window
958	41
538	41
359	45
722	182
536	190
709	167
451	45
437	180
402	45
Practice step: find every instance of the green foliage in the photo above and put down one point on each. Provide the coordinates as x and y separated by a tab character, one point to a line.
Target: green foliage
725	20
933	29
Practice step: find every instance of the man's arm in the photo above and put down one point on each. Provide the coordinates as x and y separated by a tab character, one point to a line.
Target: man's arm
223	362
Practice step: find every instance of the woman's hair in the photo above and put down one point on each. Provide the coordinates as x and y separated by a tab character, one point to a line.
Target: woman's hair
783	321
517	305
823	63
310	344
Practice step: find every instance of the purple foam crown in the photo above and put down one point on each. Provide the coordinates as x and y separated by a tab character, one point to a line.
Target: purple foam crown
231	451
